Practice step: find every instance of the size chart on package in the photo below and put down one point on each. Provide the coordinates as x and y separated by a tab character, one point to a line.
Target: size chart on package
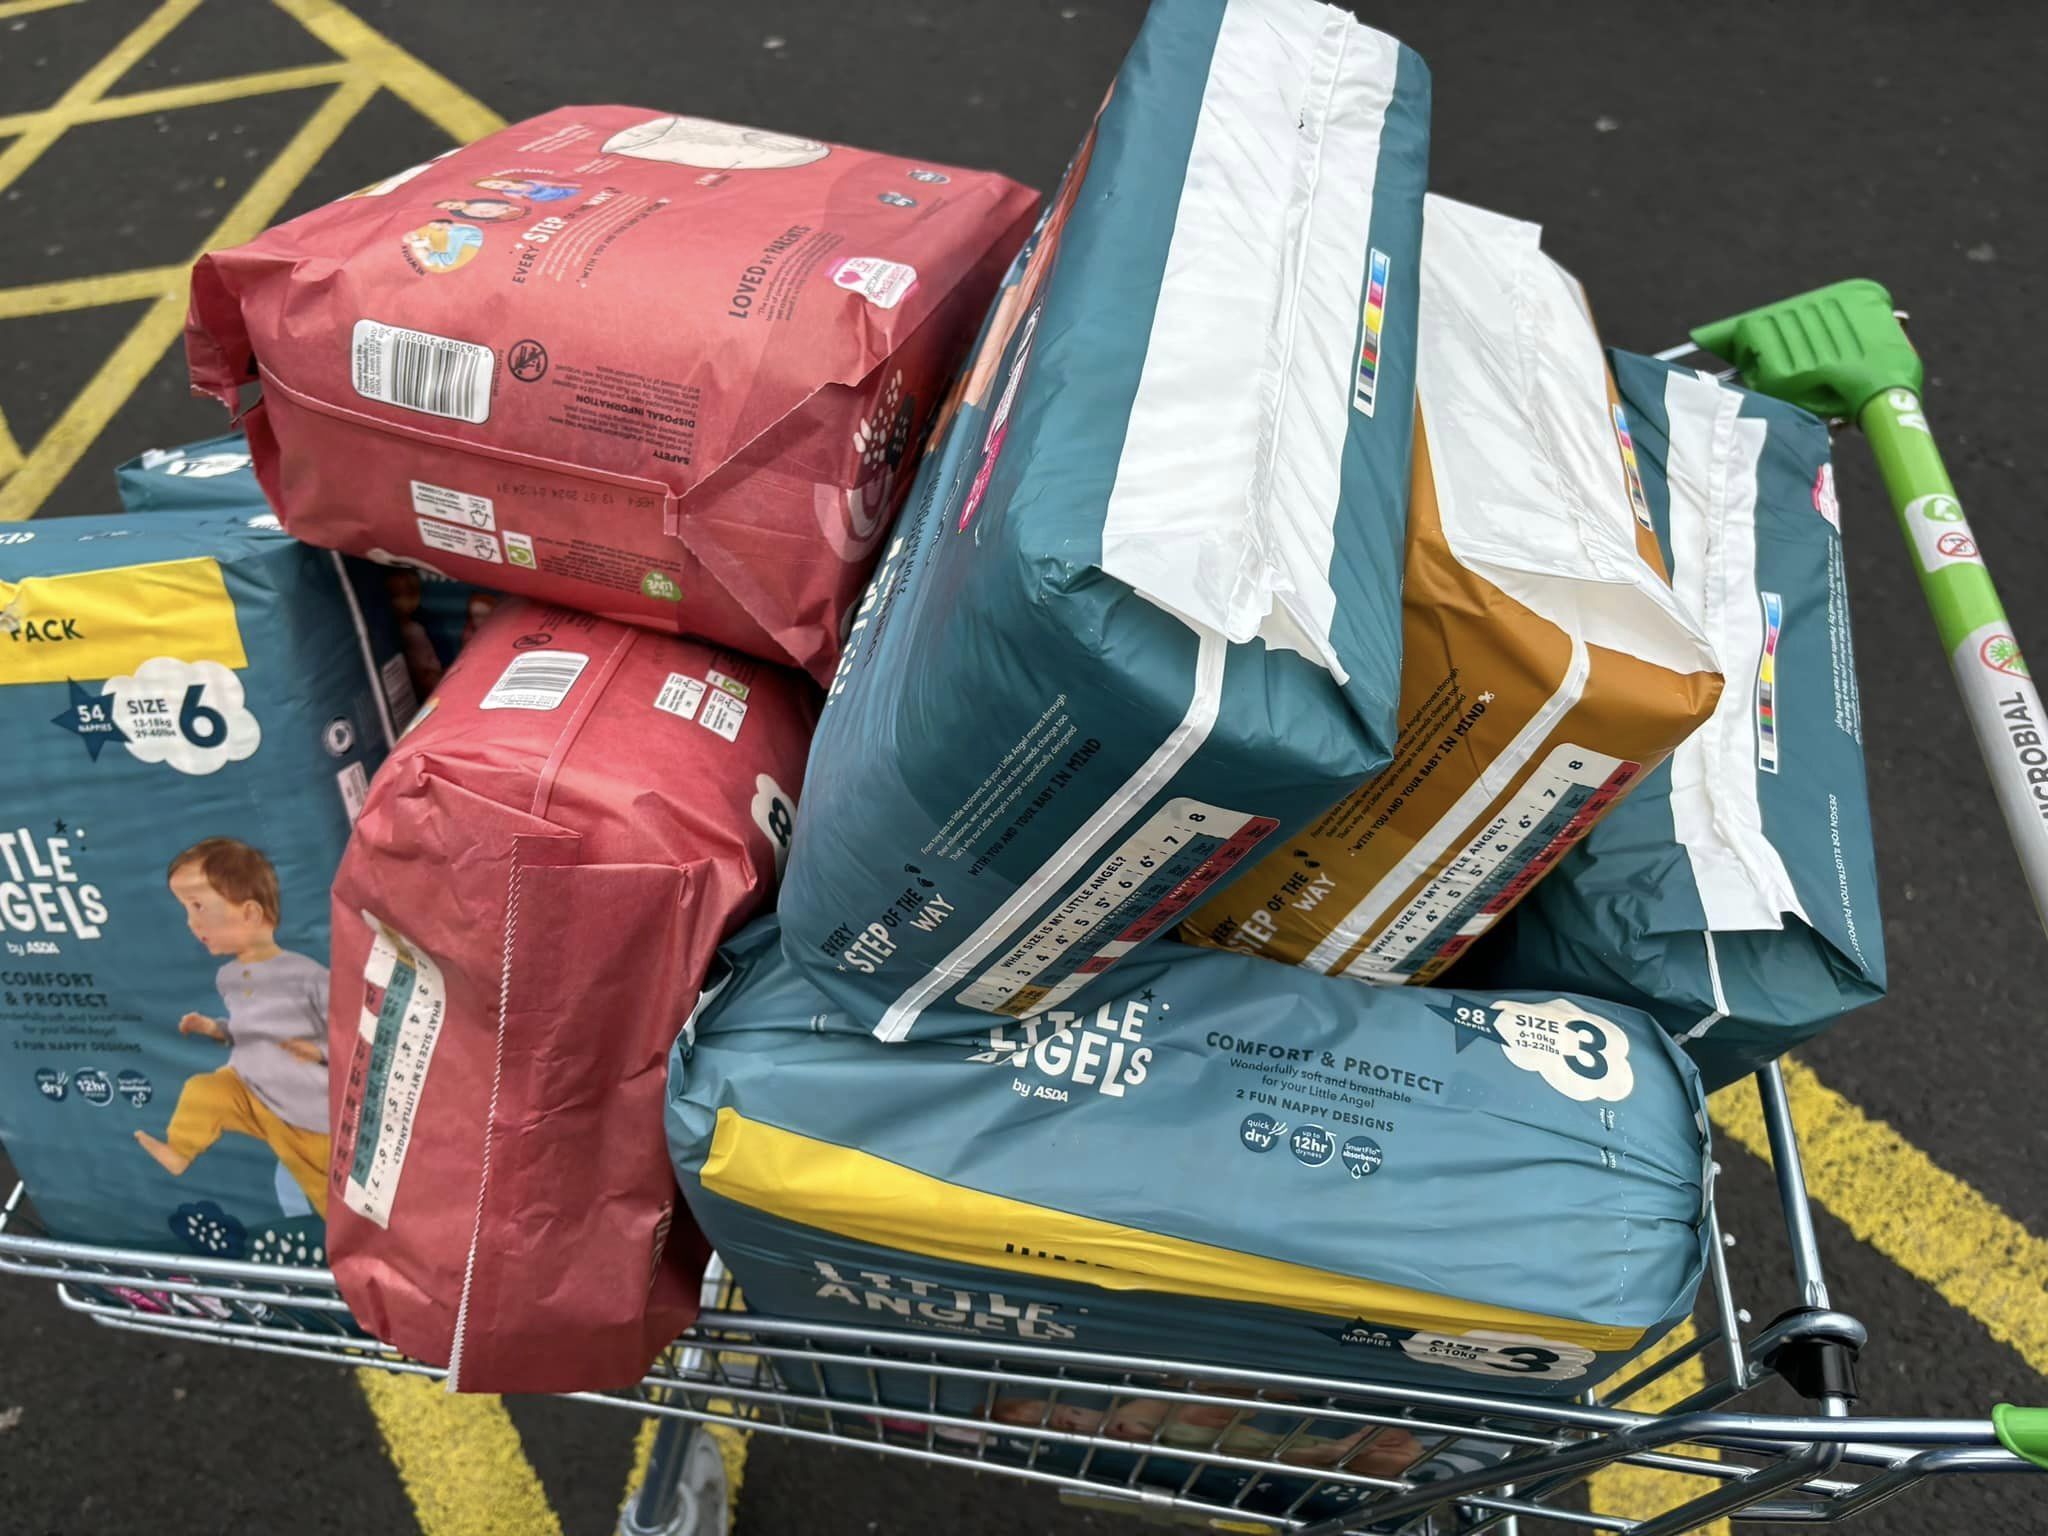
1154	875
404	1003
1553	808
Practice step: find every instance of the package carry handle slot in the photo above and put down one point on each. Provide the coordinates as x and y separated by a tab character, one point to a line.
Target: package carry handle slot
1842	353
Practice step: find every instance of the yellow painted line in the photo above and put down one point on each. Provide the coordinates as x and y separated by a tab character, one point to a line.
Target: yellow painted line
90	87
13	8
460	1459
129	363
90	292
376	61
200	93
1642	1493
425	89
1894	1197
732	1450
10	451
643	1452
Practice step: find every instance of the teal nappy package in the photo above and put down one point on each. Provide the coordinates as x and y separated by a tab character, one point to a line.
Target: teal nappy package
1733	894
193	707
1141	615
1217	1159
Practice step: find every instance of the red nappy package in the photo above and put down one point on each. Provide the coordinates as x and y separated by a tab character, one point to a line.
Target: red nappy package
658	368
525	913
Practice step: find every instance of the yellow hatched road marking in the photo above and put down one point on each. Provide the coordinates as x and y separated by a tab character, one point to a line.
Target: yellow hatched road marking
130	362
460	1459
370	59
426	90
89	87
200	93
1893	1197
90	292
1642	1493
732	1450
13	8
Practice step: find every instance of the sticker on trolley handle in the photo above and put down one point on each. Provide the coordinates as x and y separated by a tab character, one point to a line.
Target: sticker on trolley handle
1576	1051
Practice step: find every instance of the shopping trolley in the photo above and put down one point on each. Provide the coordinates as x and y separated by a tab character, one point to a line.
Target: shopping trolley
1251	1451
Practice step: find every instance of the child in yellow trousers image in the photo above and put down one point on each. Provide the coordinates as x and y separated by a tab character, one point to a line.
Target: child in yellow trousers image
274	1085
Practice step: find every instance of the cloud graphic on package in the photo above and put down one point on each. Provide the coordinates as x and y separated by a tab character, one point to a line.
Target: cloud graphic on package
189	715
1577	1052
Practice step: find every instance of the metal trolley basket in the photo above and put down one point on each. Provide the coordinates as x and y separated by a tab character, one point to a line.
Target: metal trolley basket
1244	1450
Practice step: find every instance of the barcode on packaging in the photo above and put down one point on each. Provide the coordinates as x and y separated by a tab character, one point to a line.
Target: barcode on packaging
537	680
403	702
354	781
422	372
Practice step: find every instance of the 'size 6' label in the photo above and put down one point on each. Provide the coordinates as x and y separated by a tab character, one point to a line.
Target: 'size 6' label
189	715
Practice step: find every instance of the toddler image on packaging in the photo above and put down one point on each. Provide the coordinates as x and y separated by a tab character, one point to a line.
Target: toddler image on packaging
274	1085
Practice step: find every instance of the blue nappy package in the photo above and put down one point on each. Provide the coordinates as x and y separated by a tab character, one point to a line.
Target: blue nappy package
1140	618
1218	1158
193	707
1733	894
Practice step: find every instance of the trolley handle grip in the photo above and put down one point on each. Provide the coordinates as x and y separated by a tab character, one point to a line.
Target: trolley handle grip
1831	351
2023	1431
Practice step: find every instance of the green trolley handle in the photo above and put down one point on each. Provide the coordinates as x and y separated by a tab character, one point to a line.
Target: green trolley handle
1841	353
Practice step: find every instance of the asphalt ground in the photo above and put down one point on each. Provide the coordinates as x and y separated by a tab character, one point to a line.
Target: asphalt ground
1687	162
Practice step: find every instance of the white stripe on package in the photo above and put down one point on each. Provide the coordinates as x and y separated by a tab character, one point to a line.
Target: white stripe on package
1457	822
1231	527
1720	1008
402	1071
1110	818
1715	812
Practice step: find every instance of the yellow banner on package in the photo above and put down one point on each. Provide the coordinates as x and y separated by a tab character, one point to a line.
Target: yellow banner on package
839	1189
93	625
